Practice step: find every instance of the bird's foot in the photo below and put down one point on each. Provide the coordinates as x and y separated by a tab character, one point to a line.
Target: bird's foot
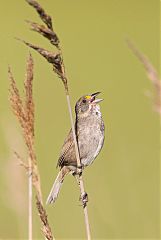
84	199
80	169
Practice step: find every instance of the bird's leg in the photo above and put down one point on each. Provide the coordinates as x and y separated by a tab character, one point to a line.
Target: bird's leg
79	169
84	196
75	174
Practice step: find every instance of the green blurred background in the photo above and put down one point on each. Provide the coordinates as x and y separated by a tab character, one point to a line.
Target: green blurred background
123	183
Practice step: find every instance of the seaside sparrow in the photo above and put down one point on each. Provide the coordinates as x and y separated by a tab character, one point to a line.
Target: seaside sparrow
89	128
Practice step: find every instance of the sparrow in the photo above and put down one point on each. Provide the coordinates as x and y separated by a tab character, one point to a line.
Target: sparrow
89	129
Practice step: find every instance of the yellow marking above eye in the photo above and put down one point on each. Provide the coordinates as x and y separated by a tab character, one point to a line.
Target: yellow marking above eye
87	97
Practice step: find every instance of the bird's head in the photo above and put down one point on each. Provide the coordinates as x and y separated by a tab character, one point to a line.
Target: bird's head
87	102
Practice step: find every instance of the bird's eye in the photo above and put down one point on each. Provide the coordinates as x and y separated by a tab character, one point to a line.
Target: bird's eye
84	101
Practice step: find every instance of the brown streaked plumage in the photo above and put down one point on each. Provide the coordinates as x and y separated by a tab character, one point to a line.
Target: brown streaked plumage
89	128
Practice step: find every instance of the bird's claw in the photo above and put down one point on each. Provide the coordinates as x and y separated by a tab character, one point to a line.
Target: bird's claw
84	199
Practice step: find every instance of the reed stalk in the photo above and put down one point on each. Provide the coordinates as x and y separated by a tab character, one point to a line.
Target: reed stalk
56	59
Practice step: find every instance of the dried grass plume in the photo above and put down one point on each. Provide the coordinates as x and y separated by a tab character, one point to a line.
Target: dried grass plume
152	74
24	111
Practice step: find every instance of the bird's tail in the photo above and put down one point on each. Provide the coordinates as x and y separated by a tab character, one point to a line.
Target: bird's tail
57	185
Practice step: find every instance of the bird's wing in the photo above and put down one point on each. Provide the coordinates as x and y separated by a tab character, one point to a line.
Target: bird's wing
67	154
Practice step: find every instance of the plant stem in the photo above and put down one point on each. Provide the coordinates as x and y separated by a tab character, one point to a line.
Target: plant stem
58	67
30	201
79	164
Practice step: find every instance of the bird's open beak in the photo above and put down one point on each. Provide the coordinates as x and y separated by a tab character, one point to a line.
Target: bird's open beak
93	98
